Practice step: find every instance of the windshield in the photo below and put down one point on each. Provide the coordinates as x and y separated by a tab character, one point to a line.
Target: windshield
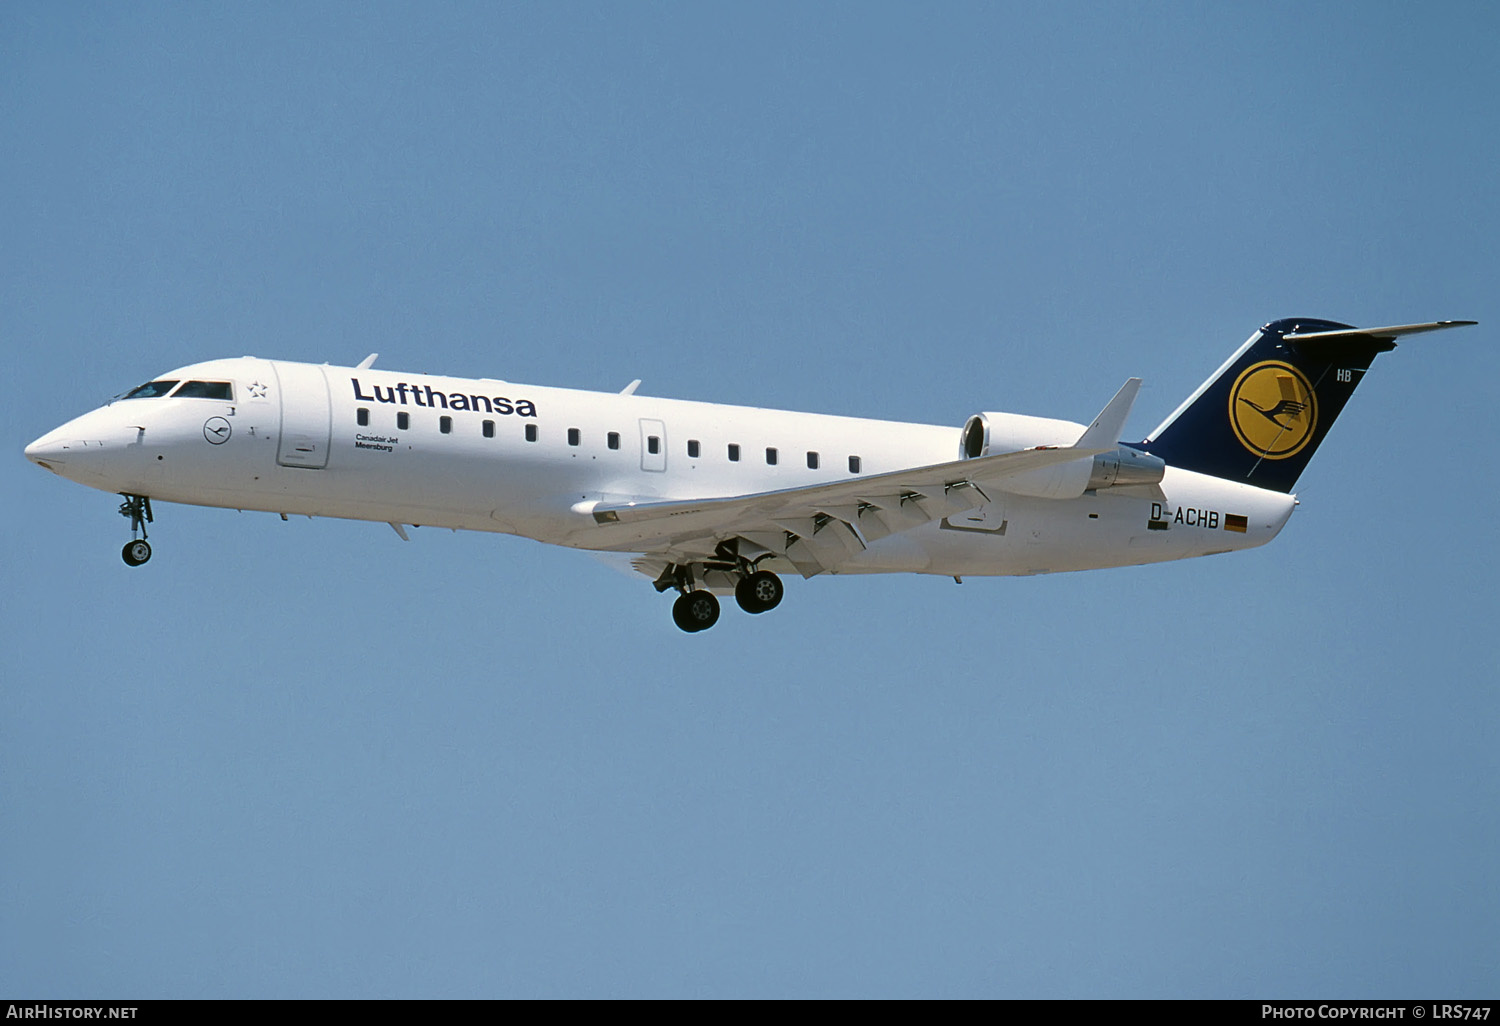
205	390
150	390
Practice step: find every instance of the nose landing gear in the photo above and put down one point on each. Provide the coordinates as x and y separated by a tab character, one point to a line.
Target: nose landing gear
136	509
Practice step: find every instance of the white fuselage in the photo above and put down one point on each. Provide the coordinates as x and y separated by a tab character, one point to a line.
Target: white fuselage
295	444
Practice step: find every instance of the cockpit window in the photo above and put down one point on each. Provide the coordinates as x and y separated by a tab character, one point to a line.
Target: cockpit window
205	390
151	390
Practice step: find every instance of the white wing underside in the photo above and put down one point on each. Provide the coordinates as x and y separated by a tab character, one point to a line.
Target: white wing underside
816	528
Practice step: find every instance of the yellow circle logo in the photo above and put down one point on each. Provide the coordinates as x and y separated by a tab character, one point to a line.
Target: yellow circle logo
1273	409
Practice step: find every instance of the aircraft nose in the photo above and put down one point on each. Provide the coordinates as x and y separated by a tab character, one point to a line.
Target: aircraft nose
69	453
46	451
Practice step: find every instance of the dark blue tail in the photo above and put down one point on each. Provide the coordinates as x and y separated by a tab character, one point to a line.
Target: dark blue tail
1266	411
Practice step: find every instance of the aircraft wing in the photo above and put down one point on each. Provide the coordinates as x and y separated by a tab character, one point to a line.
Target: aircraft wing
818	526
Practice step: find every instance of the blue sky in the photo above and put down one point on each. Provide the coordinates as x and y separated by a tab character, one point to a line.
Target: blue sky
305	759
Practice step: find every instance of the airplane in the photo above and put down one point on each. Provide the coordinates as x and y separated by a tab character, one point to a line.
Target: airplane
711	500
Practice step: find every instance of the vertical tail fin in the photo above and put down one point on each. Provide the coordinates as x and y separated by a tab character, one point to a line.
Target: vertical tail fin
1264	413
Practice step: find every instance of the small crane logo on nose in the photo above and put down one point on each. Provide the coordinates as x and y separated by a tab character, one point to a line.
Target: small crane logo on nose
217	430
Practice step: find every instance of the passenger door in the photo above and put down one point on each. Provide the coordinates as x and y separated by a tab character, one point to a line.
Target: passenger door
306	416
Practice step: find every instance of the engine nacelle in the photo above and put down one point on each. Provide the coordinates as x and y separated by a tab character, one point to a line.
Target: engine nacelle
985	433
1126	466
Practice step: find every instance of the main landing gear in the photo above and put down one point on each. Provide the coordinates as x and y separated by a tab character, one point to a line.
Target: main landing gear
697	609
760	592
136	509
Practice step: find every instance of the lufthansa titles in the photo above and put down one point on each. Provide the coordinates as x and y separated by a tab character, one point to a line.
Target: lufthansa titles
403	394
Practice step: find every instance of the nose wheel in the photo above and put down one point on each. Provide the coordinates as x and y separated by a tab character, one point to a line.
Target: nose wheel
136	509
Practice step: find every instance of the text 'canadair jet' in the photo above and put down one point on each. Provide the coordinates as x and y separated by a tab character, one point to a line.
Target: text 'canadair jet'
716	499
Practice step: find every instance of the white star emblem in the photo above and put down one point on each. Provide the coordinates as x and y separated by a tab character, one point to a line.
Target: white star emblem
257	390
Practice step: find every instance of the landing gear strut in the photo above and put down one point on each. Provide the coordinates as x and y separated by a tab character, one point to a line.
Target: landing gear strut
136	509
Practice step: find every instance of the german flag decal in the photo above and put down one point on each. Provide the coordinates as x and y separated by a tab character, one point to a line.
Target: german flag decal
1235	522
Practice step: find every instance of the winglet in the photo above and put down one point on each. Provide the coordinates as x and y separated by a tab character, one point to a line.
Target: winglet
1104	432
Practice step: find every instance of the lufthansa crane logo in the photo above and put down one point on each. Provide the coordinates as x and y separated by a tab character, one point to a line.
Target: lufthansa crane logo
217	430
1273	409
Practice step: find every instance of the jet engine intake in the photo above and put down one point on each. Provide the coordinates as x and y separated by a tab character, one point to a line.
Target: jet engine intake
986	433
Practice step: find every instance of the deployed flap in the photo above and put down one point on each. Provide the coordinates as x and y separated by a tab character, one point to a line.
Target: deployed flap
1104	432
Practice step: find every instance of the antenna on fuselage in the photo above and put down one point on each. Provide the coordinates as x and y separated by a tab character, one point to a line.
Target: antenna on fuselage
630	388
367	362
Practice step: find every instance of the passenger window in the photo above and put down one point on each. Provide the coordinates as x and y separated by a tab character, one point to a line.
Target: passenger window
489	429
362	417
153	390
205	390
614	439
573	436
734	452
653	444
812	461
445	425
854	464
403	420
771	457
530	432
693	448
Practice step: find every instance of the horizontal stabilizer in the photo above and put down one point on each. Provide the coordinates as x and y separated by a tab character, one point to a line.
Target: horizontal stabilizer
1380	334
